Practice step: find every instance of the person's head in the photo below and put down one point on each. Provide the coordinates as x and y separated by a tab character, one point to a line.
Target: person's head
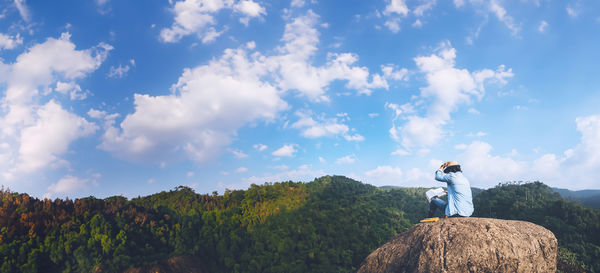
452	167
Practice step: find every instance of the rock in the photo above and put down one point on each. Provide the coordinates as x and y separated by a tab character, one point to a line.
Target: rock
467	245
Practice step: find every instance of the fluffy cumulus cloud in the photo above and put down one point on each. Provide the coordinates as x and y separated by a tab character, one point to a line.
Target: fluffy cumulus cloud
323	127
198	17
448	88
397	10
286	150
67	185
36	127
573	166
49	136
201	115
121	70
210	102
394	11
295	71
10	42
349	159
394	176
483	168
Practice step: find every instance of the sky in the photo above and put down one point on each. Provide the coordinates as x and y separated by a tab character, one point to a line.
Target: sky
104	97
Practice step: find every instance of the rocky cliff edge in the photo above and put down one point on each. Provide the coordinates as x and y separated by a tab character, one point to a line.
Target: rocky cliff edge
467	245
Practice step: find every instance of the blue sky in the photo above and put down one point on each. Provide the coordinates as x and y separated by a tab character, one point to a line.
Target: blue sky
129	98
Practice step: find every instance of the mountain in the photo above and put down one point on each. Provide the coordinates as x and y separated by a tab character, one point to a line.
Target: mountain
328	225
590	198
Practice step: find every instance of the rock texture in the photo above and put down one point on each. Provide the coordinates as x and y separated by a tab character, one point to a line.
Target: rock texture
467	245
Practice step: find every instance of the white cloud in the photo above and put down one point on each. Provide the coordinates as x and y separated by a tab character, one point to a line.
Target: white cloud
502	15
447	88
249	9
322	160
241	170
39	134
355	137
570	170
68	184
48	62
478	134
50	136
400	152
520	107
296	73
417	23
239	154
118	72
315	129
285	150
190	174
207	106
425	6
474	111
210	102
71	88
323	127
394	176
495	8
543	26
349	159
484	169
572	11
393	25
396	6
281	167
23	10
198	17
10	42
260	147
394	73
396	10
297	3
373	115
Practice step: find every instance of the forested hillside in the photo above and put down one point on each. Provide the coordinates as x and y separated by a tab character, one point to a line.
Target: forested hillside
328	225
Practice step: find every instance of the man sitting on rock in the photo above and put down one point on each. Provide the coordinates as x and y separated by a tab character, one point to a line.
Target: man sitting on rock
460	201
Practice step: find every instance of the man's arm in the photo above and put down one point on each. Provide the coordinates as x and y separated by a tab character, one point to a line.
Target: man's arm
440	176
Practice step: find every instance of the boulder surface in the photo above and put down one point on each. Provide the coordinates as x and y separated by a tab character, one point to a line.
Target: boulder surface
467	245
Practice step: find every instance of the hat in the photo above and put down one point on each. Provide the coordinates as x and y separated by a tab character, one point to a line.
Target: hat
450	163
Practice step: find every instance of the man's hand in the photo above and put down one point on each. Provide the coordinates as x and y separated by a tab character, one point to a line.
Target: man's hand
443	166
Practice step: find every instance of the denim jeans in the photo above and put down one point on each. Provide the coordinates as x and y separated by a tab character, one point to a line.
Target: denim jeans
434	205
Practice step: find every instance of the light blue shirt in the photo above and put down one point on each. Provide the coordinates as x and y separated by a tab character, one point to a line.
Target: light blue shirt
460	200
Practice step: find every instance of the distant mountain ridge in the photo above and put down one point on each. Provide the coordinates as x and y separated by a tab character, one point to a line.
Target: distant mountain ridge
589	198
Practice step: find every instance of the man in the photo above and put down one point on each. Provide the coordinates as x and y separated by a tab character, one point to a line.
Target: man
460	201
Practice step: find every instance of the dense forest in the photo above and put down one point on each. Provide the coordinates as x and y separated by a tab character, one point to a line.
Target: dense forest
328	225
